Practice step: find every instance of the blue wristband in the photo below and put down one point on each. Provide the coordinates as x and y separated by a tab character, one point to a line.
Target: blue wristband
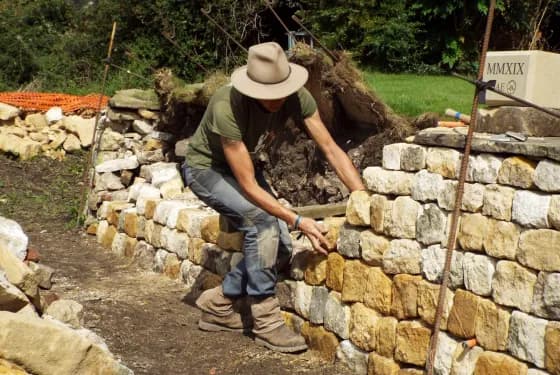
298	221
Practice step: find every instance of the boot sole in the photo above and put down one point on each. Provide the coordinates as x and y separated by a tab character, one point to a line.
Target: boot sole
210	327
281	349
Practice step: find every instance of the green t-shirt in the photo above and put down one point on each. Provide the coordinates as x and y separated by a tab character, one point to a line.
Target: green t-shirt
235	116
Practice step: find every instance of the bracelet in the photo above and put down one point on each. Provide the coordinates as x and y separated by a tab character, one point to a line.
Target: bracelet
298	221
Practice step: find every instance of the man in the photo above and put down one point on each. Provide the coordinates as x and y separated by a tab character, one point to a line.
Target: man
220	171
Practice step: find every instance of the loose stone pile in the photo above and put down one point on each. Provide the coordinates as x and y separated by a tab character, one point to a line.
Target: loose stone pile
371	303
41	333
51	134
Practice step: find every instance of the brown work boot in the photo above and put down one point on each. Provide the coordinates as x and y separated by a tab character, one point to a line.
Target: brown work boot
270	329
218	313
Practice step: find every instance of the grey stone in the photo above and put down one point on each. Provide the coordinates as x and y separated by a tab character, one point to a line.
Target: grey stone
526	120
433	259
546	176
530	209
319	298
484	168
353	357
181	148
135	99
304	293
337	316
526	338
498	201
478	273
413	158
443	360
431	225
401	222
43	274
142	127
144	255
286	294
130	162
426	186
392	156
108	181
348	243
403	256
12	238
159	261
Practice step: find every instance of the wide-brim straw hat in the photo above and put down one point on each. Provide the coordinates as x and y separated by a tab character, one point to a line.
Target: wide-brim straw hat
268	74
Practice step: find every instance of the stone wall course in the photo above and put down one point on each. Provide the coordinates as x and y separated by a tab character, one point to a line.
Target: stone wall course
431	225
378	291
335	272
546	176
498	201
491	325
413	339
428	295
443	161
404	296
426	186
517	171
530	209
526	339
373	247
355	280
552	348
381	181
491	363
403	256
540	249
502	239
513	285
358	208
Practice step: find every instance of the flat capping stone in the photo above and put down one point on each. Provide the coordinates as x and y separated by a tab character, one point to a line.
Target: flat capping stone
538	147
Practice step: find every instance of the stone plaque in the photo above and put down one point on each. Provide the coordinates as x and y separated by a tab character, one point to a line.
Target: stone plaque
530	75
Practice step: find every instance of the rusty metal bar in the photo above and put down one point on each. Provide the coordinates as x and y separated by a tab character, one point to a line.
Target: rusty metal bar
277	16
459	197
87	183
206	13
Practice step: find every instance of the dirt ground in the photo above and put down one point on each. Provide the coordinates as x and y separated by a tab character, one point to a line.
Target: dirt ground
142	316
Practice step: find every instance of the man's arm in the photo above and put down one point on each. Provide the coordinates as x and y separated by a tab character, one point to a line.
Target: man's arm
239	160
337	158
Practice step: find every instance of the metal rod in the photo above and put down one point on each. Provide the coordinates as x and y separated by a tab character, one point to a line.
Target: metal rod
327	51
481	85
205	12
184	53
86	186
277	17
459	197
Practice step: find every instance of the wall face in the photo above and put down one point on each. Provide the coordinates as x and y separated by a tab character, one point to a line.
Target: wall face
371	303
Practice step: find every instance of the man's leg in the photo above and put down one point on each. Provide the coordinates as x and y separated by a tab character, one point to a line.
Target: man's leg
255	274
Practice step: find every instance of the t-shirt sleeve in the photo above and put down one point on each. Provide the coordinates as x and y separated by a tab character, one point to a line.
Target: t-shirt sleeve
223	122
307	102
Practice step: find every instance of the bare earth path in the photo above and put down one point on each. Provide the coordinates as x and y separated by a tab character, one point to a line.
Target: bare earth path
141	315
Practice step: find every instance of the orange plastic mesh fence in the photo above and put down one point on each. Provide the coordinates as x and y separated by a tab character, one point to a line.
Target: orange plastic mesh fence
43	101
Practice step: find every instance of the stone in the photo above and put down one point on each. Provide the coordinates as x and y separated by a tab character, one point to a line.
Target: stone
323	343
382	181
299	263
11	298
363	326
286	294
230	241
491	326
526	338
379	205
108	207
72	143
358	208
319	298
354	358
526	120
47	347
404	296
513	285
36	121
378	295
130	162
354	281
501	239
554	212
302	303
433	260
546	176
431	225
472	231
25	149
159	173
413	157
19	274
446	198
392	156
462	318
491	363
8	112
172	266
386	331
67	311
464	360
373	247
172	188
209	228
443	161
549	282
335	272
83	127
446	349
379	365
333	226
403	256
142	191
175	241
401	223
348	243
413	340
142	127
12	238
428	295
144	254
498	201
478	273
530	209
191	274
135	99
426	186
337	316
167	212
473	196
43	274
517	171
552	345
159	261
190	220
484	168
181	148
539	249
108	181
316	270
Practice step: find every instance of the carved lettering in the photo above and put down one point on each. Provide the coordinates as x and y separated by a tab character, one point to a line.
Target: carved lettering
507	68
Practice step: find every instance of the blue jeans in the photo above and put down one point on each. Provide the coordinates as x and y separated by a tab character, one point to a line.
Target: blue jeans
266	238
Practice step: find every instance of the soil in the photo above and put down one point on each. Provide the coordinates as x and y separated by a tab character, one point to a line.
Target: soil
142	316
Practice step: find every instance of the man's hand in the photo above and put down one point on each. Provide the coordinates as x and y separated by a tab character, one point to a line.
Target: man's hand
314	231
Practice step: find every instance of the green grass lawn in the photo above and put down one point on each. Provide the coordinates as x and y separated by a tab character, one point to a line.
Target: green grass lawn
412	95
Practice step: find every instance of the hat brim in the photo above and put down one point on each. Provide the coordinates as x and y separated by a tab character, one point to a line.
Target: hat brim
245	85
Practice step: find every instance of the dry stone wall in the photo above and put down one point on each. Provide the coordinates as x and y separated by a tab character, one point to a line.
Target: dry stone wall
372	301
